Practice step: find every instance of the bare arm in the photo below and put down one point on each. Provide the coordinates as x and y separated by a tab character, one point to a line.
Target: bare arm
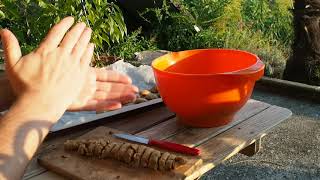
22	129
46	82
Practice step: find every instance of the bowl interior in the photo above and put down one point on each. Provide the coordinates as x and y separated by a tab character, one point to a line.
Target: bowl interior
205	61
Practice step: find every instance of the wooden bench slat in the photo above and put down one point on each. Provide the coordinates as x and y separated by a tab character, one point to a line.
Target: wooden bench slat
48	175
227	144
252	149
72	166
131	124
177	132
195	136
163	130
250	123
138	122
230	142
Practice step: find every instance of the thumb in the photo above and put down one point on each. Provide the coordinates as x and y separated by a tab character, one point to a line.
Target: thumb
11	48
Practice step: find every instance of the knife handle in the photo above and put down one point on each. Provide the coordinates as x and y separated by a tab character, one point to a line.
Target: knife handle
175	147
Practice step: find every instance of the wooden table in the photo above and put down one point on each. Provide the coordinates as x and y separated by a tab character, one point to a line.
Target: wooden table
242	135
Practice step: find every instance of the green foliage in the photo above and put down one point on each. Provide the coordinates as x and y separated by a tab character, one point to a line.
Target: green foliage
262	27
273	18
31	19
273	54
131	44
204	12
170	30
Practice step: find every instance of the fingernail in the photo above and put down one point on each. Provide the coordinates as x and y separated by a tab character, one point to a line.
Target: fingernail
129	80
133	97
135	88
92	46
88	29
69	18
2	30
82	24
114	106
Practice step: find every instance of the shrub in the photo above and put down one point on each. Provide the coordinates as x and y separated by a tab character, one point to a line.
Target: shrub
274	55
273	18
134	42
31	19
262	27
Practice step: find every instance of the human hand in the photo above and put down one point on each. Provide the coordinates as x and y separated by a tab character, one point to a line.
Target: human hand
104	90
53	75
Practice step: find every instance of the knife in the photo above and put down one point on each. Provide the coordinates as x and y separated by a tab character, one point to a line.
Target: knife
161	144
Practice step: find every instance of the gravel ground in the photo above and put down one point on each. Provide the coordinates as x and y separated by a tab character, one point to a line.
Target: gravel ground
290	151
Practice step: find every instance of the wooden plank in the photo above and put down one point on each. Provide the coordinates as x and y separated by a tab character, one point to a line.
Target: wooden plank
74	166
196	136
143	118
274	116
252	149
34	169
173	131
163	130
48	175
227	144
131	124
138	122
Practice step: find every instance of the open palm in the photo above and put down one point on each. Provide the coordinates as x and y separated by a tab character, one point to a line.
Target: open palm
104	90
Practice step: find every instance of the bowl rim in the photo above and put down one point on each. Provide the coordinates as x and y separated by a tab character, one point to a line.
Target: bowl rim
257	63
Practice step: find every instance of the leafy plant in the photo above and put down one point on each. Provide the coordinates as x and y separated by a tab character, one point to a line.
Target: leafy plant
31	19
131	44
171	30
273	18
274	55
262	27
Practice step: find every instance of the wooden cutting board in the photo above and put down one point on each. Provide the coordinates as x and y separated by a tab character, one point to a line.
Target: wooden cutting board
74	166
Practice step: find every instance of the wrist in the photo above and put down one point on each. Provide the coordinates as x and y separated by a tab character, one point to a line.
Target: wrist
33	104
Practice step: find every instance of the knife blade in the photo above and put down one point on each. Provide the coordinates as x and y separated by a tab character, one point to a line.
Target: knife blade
161	144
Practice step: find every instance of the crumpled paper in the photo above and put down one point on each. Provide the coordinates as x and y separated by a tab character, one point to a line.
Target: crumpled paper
141	76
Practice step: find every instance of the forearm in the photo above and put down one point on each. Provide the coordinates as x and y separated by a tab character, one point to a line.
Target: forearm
6	93
22	128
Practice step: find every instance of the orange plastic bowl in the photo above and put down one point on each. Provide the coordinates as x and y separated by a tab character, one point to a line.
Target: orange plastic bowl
206	87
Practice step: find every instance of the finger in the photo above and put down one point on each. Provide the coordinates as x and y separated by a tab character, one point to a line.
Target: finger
72	37
128	99
86	58
55	35
82	44
11	48
112	76
123	98
96	105
108	106
115	91
116	87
